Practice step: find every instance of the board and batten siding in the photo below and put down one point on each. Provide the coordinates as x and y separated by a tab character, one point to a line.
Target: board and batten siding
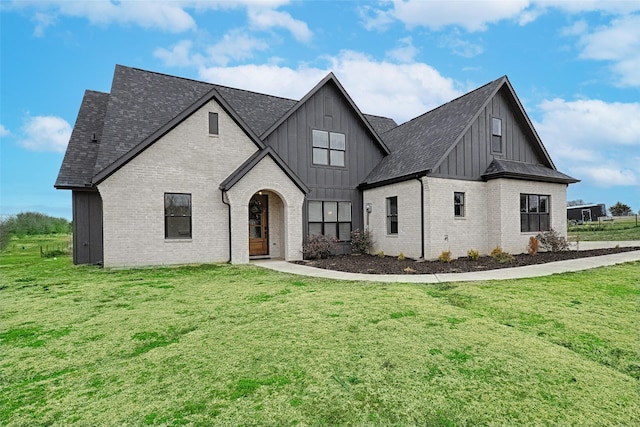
87	227
328	110
471	156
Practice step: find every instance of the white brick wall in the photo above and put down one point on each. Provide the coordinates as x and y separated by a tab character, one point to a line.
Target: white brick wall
445	232
186	160
505	229
266	176
492	216
407	240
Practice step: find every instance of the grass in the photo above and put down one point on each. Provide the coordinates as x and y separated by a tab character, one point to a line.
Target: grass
238	345
619	229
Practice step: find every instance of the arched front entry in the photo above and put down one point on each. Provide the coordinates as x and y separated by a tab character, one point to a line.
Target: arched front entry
266	217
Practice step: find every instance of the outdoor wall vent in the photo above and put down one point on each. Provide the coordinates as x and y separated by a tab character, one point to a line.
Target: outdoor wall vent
94	137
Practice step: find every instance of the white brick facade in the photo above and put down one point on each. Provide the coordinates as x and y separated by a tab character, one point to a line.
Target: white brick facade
492	216
189	160
266	176
407	240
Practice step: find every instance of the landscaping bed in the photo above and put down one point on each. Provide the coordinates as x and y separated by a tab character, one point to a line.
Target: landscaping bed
373	264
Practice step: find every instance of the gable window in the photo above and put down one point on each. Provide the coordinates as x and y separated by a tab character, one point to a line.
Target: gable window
458	204
328	148
213	123
333	219
534	212
496	135
392	215
177	216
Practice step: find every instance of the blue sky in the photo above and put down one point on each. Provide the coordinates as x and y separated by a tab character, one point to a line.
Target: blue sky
574	64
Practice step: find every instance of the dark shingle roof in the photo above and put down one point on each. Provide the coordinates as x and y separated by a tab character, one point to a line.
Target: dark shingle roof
500	168
258	111
380	124
418	145
82	151
142	101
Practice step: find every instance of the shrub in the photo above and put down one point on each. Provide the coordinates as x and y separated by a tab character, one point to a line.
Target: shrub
501	256
401	257
533	246
318	246
361	241
381	254
473	254
552	241
504	258
445	256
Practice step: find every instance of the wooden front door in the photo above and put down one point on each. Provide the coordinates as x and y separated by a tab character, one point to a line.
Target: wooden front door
258	225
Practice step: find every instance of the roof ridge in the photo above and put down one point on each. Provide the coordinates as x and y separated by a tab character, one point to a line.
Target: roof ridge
464	95
205	82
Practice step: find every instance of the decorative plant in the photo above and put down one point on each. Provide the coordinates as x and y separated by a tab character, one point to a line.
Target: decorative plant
381	254
445	256
501	256
401	257
361	241
534	245
473	254
318	246
552	241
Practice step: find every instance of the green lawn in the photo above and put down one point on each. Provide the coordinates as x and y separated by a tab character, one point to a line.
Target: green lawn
238	345
619	229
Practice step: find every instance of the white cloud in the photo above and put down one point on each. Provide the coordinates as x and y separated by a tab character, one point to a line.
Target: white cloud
178	56
400	91
619	43
593	140
265	19
406	52
459	46
611	175
578	6
234	46
46	133
165	15
476	15
436	14
4	131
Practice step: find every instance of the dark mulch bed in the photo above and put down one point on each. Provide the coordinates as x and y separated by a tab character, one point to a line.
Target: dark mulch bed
372	264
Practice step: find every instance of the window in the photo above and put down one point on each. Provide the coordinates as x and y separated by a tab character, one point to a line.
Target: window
458	204
496	135
534	213
213	123
333	219
392	215
328	148
177	216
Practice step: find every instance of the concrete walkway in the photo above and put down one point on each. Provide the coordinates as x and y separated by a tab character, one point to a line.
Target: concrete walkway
500	274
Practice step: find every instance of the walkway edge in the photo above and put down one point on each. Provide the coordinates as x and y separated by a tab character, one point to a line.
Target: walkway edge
538	270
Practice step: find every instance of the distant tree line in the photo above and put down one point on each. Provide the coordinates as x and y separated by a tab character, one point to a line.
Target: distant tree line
29	224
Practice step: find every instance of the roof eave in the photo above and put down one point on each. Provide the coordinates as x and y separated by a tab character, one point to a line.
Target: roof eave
253	160
395	180
330	77
162	131
528	177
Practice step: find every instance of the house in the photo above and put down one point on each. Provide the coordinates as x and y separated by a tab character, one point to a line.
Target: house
167	170
586	213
